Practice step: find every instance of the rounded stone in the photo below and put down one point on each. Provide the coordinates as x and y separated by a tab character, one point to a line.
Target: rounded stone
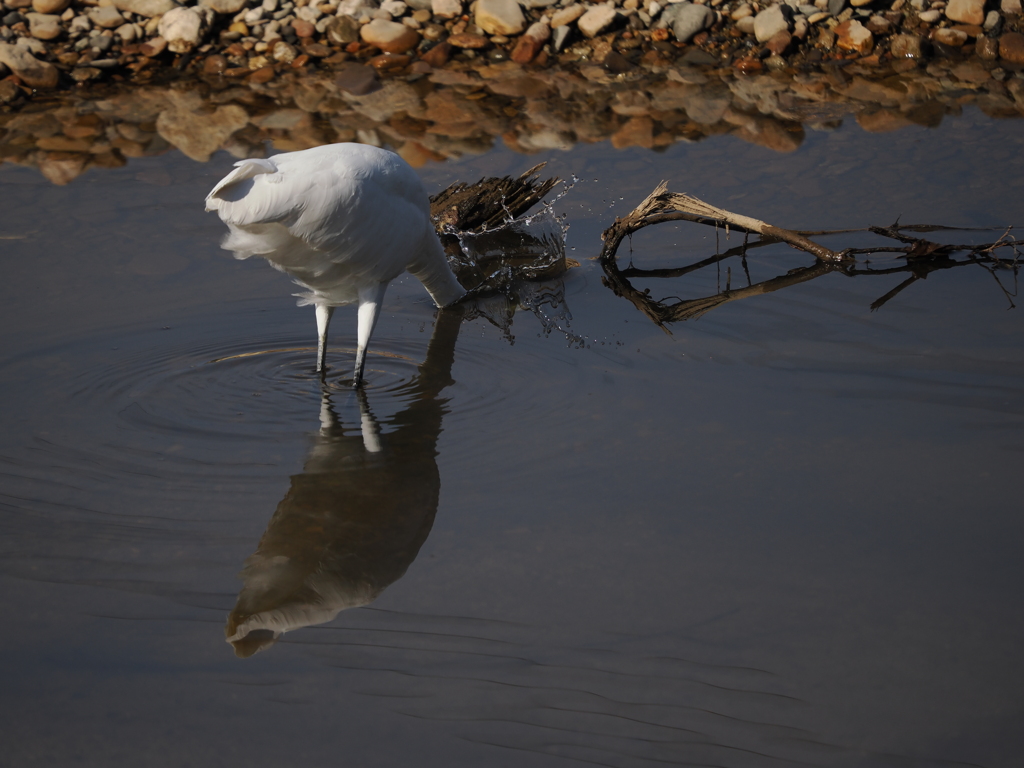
223	6
44	26
769	23
50	6
1011	47
182	29
500	17
966	11
389	36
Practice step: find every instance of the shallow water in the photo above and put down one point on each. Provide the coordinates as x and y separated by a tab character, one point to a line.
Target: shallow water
789	532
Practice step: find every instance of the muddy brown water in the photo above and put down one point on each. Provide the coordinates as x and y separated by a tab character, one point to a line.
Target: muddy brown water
788	533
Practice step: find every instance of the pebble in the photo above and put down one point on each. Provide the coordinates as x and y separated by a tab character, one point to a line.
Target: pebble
147	8
500	17
182	28
567	15
50	6
769	22
966	11
779	42
597	19
1011	7
687	19
905	46
1011	48
31	71
389	36
930	17
853	36
223	6
44	26
468	40
951	37
105	16
446	9
987	48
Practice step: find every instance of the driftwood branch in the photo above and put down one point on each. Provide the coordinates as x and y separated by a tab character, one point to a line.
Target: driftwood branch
922	257
662	205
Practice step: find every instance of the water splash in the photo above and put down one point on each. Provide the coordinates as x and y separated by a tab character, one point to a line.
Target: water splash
518	264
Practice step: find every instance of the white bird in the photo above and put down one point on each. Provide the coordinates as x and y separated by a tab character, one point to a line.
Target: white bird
343	220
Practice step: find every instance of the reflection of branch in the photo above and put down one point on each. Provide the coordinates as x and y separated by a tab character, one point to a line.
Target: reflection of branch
662	205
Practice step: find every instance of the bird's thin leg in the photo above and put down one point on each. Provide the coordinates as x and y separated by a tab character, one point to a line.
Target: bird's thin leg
370	301
323	320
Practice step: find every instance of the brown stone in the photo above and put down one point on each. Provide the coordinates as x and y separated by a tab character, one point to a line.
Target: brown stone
438	55
951	37
389	61
50	6
262	75
303	28
214	65
317	51
779	42
1011	47
747	65
468	40
300	61
526	49
853	36
987	48
905	46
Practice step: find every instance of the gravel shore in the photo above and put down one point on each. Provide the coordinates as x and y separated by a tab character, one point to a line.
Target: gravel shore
86	84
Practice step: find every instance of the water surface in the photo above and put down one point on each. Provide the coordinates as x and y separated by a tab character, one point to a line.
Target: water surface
787	533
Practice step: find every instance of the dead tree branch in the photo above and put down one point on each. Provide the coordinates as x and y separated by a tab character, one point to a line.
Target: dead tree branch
662	205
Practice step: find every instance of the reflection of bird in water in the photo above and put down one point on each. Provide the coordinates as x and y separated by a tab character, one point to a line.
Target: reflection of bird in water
343	220
355	518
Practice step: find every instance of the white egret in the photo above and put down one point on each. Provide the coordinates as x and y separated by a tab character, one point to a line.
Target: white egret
343	220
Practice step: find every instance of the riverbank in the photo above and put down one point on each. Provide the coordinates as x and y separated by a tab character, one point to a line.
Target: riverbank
254	76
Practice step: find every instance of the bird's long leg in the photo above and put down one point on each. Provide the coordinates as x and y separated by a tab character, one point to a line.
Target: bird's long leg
323	320
370	301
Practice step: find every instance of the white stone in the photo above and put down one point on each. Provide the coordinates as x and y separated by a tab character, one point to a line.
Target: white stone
746	25
539	31
223	6
930	17
147	8
567	15
446	9
596	20
500	17
396	8
182	28
966	11
769	23
1010	6
127	32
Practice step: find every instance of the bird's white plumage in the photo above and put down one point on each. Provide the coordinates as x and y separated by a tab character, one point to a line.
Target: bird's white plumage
343	220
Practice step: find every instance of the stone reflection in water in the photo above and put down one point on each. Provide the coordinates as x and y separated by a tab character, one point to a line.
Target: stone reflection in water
355	518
